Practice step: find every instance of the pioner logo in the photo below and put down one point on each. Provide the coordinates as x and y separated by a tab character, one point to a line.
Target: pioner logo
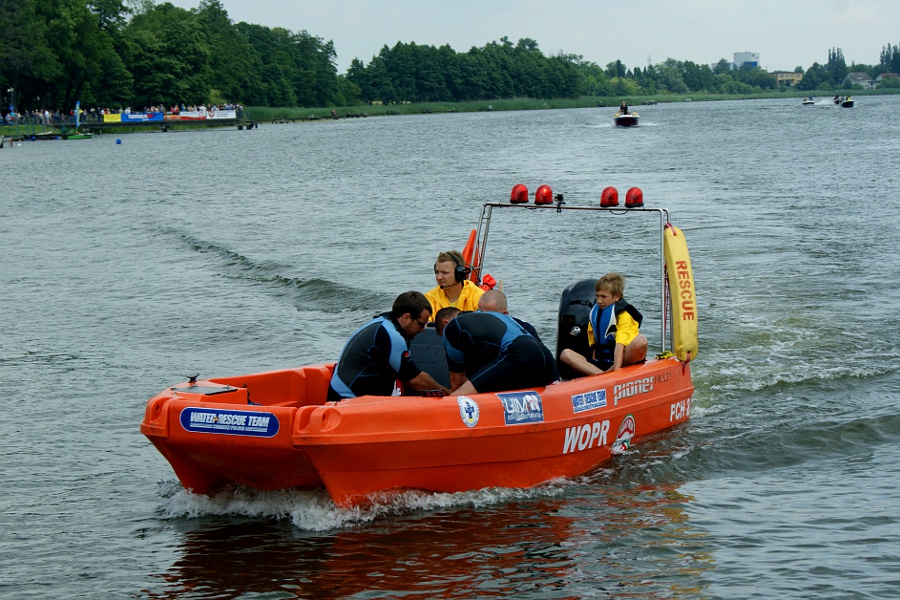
633	388
229	422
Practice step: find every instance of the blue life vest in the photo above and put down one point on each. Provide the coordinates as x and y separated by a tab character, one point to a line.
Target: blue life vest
604	326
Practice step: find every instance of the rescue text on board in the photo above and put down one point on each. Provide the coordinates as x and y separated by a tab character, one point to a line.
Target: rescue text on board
687	296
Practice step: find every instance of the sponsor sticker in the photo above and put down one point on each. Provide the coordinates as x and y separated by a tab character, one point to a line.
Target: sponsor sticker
522	407
229	422
141	117
468	411
620	447
589	401
626	431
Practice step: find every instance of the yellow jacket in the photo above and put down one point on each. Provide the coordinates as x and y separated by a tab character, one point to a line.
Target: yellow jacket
468	298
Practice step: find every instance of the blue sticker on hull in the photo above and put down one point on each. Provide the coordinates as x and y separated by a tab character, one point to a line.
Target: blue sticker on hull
522	407
229	422
589	401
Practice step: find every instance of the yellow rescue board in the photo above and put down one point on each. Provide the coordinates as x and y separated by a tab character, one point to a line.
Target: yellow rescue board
682	293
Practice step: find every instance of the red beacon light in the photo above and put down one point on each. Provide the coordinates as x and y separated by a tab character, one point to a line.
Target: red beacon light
519	194
609	197
543	195
634	198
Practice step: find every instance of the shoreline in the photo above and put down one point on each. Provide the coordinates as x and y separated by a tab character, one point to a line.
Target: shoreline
291	115
256	115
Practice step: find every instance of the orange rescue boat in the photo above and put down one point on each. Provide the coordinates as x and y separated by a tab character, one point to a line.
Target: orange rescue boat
274	430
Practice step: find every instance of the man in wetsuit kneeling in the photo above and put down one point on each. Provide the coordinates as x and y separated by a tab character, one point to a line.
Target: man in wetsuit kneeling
491	352
377	354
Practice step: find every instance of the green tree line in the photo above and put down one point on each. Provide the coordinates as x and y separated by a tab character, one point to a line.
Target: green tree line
121	53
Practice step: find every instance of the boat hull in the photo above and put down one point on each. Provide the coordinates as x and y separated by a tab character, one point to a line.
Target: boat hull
626	120
237	430
366	447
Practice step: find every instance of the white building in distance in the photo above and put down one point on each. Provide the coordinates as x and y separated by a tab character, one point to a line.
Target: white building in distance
744	58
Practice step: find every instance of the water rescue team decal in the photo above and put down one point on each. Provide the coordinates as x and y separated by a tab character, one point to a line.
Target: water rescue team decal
589	401
229	422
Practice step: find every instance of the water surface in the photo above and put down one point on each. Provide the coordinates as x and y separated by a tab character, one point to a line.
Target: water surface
126	266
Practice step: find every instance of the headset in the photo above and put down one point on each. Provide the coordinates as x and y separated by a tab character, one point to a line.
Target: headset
461	272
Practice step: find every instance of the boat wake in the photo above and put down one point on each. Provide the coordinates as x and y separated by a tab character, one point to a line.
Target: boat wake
315	294
314	511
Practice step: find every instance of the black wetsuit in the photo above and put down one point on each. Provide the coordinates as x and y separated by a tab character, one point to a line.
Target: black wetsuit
372	360
496	353
529	328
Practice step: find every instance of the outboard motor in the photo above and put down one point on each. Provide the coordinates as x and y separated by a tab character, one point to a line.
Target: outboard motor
574	313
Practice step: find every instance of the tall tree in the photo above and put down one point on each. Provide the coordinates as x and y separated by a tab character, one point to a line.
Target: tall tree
112	14
836	66
169	57
889	61
815	78
26	59
233	63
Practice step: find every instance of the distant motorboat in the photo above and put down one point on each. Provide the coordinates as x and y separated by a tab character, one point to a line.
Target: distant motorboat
844	101
626	120
808	101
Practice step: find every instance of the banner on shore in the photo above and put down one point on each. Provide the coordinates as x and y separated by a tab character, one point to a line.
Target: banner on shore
142	117
159	117
193	115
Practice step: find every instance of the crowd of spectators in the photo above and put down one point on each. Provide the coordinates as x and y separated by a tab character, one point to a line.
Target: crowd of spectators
95	115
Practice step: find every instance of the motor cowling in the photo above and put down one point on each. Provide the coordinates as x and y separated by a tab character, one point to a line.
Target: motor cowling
575	306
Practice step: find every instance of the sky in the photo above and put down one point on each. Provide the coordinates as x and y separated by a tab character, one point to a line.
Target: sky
785	33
